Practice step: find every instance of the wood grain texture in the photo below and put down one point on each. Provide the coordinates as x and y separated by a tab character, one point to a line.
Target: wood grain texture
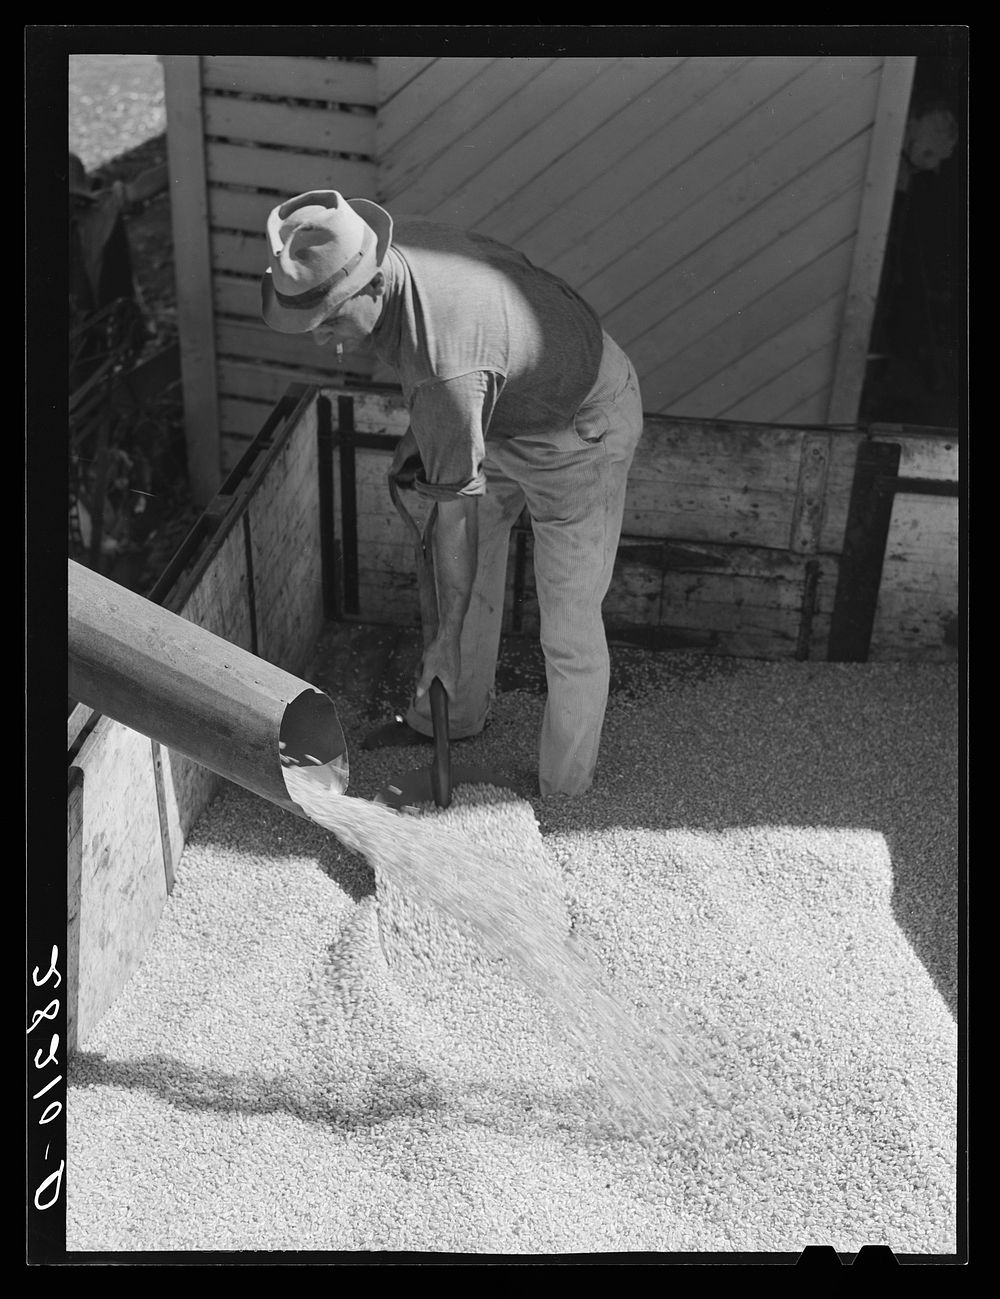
253	341
889	125
253	382
394	72
287	171
922	454
810	495
74	895
408	148
490	156
727	276
696	195
122	884
721	520
839	482
325	130
234	448
179	816
246	211
691	376
706	100
419	91
240	253
630	103
804	383
758	372
333	80
219	601
285	541
711	208
193	270
676	194
243	417
378	412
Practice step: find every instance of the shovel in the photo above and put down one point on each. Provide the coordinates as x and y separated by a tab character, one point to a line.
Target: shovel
436	782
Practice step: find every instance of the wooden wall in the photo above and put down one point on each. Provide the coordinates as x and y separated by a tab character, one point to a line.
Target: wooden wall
725	215
917	613
733	539
253	578
244	133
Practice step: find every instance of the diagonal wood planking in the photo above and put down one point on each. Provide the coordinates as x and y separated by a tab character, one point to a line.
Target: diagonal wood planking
566	105
703	106
706	206
717	192
632	103
494	151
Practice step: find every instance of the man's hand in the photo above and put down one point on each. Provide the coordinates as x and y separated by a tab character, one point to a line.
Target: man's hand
442	658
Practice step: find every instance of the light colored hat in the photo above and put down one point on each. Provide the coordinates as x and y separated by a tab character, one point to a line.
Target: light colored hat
322	249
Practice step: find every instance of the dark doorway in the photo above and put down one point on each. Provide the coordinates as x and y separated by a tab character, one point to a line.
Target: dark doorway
916	364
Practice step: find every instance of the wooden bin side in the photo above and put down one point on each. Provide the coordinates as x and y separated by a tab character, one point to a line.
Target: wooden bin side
244	133
732	540
720	547
250	573
898	596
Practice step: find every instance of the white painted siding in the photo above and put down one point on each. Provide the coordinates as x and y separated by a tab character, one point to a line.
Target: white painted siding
722	214
708	208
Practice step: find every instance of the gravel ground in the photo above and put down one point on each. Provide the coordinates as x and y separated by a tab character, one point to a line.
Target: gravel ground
769	855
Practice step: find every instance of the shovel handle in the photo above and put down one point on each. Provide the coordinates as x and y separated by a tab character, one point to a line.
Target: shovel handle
441	767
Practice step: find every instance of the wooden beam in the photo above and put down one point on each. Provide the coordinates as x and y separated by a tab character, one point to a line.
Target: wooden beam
868	521
870	240
74	876
193	270
810	497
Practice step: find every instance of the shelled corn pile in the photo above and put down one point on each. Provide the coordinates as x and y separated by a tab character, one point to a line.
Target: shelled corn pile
310	1059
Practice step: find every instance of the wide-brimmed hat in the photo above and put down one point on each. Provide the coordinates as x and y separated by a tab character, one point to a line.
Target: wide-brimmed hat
322	249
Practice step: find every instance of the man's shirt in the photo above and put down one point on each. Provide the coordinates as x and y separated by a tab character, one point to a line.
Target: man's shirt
485	345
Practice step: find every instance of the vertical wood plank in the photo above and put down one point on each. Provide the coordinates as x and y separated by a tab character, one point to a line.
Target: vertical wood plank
158	754
327	538
122	885
74	890
870	240
193	270
807	514
868	521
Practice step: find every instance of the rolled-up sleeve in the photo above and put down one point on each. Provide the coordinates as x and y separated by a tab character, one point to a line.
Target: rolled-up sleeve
449	420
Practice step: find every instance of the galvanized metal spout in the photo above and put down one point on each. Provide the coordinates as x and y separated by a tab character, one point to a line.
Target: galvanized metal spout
190	690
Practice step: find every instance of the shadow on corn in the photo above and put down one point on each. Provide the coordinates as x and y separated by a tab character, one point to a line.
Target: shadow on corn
188	1087
407	1094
